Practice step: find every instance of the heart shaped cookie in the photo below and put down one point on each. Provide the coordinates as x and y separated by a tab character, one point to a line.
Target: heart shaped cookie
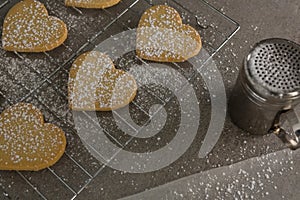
96	85
28	28
162	37
26	142
91	3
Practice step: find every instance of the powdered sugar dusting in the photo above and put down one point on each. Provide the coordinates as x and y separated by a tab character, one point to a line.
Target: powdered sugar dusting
161	36
92	3
25	141
27	26
95	83
167	43
115	88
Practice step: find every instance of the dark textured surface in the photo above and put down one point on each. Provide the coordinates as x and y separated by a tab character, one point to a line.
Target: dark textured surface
42	79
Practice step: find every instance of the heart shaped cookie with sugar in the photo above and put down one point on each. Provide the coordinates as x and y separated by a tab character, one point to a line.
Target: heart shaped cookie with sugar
96	85
28	28
91	3
26	142
162	37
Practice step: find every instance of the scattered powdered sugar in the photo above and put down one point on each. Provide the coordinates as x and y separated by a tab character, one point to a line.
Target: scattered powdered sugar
162	34
94	81
24	138
28	26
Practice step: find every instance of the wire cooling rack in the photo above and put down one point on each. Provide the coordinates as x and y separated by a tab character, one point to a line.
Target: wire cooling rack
42	78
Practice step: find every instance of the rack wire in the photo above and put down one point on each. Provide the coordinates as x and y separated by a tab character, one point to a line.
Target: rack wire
51	80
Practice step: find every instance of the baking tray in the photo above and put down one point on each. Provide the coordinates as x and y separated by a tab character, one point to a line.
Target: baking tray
41	79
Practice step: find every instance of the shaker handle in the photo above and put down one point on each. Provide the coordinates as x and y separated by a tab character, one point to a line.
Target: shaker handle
292	140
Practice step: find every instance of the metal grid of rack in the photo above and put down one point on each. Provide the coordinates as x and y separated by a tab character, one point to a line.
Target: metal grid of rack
41	79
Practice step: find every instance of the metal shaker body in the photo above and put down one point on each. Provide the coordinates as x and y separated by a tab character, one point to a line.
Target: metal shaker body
268	83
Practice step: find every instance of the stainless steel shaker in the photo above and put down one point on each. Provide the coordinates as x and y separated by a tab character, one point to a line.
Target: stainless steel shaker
268	89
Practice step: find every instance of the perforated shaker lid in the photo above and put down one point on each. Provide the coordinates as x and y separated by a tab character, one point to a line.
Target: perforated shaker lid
274	64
